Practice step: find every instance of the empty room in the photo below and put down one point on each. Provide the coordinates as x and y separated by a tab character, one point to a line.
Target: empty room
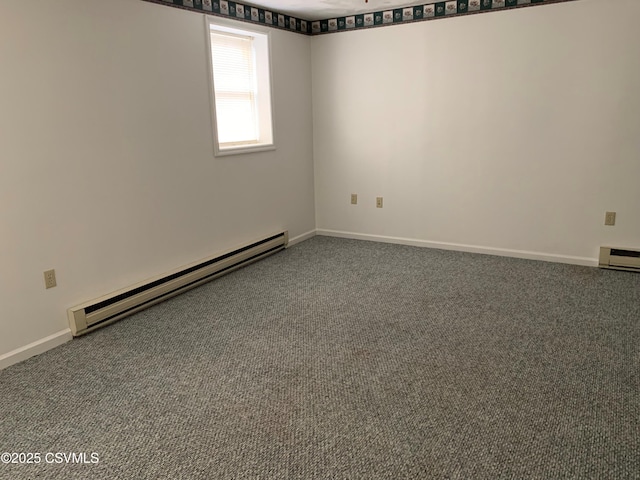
341	239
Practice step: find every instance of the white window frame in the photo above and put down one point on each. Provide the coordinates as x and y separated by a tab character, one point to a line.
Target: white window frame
265	101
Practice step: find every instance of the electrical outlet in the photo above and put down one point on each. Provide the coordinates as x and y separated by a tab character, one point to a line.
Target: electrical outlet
610	219
354	199
378	202
50	279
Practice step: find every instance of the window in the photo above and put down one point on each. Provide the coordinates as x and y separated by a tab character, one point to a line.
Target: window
241	88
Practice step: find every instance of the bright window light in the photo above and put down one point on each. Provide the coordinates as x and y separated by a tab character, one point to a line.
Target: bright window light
241	90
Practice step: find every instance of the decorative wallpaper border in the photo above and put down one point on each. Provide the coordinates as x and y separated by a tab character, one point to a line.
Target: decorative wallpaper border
420	13
429	11
241	12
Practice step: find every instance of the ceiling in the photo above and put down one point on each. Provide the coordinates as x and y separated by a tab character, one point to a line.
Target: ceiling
322	9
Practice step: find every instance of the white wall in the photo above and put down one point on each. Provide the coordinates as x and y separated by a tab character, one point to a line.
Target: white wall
106	165
512	131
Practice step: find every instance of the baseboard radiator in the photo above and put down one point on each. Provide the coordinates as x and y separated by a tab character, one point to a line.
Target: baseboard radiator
102	311
620	259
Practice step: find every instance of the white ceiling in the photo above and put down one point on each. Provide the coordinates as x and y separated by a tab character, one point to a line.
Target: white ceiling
322	9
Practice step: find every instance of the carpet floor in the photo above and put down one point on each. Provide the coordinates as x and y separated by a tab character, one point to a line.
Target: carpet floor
344	359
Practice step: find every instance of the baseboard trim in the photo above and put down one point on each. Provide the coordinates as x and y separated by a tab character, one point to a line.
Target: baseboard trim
501	252
35	348
302	238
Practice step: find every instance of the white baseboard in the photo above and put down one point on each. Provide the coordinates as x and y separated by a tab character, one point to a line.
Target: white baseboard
35	348
501	252
302	238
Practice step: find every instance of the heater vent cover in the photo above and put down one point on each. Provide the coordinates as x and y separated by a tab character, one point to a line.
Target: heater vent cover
105	310
620	259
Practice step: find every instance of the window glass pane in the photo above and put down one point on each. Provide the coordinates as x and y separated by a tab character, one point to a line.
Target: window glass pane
236	115
235	88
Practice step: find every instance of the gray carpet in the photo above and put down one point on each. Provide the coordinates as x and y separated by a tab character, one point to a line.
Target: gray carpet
349	360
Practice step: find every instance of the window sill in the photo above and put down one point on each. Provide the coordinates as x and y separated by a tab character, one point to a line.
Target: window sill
243	149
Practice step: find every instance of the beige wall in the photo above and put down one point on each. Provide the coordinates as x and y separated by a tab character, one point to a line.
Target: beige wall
106	165
509	132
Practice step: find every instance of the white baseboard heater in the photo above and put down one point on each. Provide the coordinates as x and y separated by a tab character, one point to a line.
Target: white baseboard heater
105	310
620	259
